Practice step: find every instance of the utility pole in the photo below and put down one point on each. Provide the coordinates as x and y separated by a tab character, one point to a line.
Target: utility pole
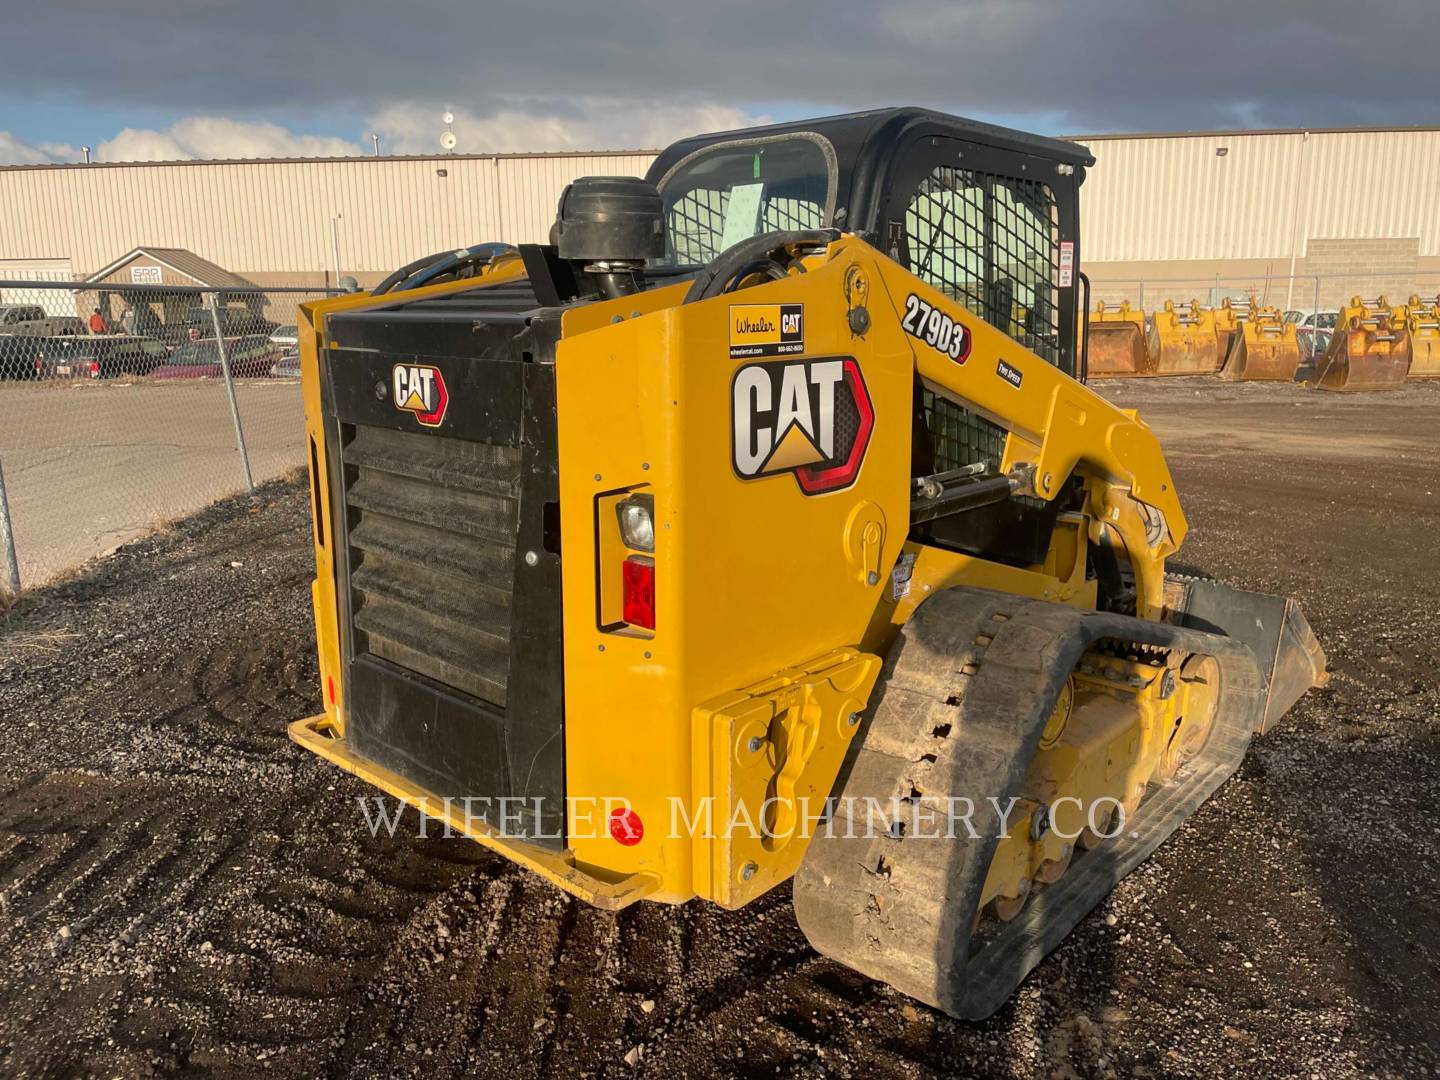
335	241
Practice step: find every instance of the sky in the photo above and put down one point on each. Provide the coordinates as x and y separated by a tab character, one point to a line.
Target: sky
172	79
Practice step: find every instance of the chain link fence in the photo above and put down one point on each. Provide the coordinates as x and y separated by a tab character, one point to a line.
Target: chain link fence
125	407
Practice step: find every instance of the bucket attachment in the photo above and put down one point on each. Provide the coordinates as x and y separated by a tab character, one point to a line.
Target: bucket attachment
1264	349
1227	328
1422	317
1187	341
1367	351
1289	657
1119	346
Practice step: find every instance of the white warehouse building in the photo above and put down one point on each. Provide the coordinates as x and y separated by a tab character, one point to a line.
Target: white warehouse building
1175	211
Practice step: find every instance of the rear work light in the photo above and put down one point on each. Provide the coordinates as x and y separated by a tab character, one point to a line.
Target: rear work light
637	592
637	522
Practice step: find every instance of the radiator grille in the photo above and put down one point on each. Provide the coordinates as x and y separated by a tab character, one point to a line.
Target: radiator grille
432	548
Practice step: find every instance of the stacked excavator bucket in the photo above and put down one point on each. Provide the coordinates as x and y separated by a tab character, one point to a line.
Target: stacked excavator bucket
1422	318
1119	345
1369	350
1187	339
1264	349
1227	328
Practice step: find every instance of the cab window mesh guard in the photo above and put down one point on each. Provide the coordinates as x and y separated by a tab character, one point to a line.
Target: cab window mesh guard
697	222
991	243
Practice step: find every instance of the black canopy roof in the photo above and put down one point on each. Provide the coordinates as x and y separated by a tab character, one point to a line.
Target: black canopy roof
867	145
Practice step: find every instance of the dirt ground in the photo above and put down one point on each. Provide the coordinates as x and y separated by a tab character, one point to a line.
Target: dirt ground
181	889
93	465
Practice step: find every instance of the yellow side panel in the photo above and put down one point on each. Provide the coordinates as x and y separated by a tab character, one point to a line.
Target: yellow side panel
752	576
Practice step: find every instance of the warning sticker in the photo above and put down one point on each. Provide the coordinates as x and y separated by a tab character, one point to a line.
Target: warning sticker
900	576
1067	263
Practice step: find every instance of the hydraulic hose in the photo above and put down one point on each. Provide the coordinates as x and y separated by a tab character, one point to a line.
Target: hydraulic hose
751	255
426	270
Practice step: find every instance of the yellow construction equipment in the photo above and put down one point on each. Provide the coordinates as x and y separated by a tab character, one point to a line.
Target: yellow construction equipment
1187	339
1369	350
1264	349
1422	318
1119	342
710	547
1227	328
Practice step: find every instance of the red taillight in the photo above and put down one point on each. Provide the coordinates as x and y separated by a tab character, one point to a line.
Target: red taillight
94	369
330	685
637	592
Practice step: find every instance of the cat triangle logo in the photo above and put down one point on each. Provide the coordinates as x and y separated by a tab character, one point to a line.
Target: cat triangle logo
809	418
420	389
792	451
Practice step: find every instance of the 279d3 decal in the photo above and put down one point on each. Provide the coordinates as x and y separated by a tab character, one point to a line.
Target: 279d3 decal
929	324
810	418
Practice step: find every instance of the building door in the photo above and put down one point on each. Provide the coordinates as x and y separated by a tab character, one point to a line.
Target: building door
54	301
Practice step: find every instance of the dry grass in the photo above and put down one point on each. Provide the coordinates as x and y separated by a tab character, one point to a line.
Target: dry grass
33	642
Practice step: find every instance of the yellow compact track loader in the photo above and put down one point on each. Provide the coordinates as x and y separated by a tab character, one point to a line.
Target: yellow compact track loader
1264	348
1369	350
1119	342
1188	344
758	529
1422	319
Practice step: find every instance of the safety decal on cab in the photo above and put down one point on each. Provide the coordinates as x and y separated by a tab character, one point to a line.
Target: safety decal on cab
420	389
929	324
766	330
810	418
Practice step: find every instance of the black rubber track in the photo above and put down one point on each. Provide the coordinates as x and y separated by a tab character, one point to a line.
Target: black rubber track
965	696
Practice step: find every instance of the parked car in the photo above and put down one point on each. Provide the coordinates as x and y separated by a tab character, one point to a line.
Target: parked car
250	357
17	355
97	356
1304	336
31	319
1304	318
286	336
287	367
234	321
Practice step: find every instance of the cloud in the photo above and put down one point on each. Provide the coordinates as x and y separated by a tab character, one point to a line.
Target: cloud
589	123
409	128
556	74
217	137
15	151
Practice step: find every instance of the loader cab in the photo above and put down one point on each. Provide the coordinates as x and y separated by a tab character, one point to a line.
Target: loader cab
987	215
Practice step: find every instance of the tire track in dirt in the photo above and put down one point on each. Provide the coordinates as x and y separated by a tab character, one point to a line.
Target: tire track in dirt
228	909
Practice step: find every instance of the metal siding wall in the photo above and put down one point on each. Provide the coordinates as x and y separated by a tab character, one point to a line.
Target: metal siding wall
1148	199
1171	198
274	217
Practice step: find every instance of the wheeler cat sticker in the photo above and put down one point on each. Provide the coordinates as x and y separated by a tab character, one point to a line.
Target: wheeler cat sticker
420	389
810	418
766	330
929	324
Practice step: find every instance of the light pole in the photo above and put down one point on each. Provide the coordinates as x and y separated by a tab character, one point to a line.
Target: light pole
335	242
1295	217
374	138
